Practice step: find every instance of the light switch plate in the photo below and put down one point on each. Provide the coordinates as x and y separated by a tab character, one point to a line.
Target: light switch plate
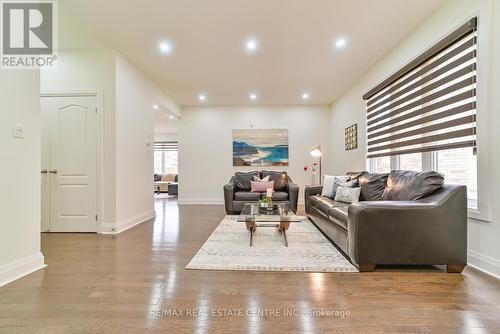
17	130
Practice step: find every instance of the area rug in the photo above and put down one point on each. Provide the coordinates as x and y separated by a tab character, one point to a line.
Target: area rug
308	250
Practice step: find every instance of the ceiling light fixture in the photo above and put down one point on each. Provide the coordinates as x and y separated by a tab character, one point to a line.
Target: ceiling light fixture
340	43
171	117
305	96
252	45
155	107
166	47
202	97
253	96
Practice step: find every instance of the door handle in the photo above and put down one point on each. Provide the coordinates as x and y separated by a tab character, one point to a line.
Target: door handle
44	171
53	171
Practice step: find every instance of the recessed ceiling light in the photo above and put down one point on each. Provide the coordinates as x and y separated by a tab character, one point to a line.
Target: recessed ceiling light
252	45
202	97
253	96
340	43
155	107
305	96
171	117
166	47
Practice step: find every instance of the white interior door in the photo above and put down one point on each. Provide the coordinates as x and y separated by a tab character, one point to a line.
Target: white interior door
71	163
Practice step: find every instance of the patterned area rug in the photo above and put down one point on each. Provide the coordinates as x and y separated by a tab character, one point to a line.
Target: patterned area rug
308	250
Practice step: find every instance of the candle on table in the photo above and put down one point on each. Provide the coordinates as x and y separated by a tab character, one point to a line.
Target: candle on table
269	193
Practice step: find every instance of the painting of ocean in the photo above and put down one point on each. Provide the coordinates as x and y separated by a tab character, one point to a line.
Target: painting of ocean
260	147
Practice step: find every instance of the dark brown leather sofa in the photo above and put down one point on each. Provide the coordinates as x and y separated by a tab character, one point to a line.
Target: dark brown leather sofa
424	229
237	191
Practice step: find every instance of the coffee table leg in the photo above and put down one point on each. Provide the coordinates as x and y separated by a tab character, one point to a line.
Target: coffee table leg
284	238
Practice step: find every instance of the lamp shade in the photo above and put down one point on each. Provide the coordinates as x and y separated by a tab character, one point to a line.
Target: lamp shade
316	151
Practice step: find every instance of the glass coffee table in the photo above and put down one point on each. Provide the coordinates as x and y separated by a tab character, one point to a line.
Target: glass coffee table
279	217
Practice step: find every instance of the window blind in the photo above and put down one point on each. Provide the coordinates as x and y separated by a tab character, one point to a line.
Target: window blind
166	146
430	104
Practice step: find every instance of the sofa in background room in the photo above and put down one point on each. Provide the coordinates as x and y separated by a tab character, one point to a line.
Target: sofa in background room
238	191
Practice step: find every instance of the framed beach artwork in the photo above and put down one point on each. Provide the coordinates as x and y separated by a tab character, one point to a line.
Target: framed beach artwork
260	147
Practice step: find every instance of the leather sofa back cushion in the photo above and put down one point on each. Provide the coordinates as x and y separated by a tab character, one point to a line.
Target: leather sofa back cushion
355	175
372	186
242	180
280	179
409	186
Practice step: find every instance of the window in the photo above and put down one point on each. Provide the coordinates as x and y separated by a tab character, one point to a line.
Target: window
411	162
423	117
460	167
166	158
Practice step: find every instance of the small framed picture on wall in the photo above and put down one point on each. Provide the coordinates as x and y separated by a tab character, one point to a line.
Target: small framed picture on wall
351	137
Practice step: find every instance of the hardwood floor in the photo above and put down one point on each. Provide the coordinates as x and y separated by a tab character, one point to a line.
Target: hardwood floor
131	283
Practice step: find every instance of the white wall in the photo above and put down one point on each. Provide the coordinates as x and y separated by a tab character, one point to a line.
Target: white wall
484	248
128	99
135	96
205	145
20	169
92	70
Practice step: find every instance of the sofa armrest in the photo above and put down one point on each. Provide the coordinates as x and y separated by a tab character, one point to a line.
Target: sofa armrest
293	196
310	191
428	231
229	190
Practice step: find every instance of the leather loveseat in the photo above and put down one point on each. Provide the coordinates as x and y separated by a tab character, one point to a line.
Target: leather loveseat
237	191
403	218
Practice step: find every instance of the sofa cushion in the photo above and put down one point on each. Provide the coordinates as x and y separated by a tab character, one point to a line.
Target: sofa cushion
323	204
331	183
372	186
280	179
356	175
157	177
280	196
242	179
405	185
247	196
339	215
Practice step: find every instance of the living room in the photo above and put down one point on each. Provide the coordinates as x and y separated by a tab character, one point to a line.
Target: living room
263	166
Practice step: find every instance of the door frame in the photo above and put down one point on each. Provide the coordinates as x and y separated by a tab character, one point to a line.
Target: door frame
98	94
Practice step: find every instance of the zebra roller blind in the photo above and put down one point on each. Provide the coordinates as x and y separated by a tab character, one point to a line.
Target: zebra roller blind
166	146
430	104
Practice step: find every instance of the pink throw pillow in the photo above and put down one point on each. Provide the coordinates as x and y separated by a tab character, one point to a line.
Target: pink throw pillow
261	187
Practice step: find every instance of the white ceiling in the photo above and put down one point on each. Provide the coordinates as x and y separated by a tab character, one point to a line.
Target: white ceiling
296	38
163	124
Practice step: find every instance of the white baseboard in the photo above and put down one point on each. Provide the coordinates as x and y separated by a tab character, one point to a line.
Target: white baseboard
15	270
484	263
128	223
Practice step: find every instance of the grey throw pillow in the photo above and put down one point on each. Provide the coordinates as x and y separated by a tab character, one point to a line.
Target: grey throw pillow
347	195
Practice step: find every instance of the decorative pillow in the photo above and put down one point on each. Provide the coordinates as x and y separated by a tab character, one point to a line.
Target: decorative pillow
347	195
242	179
372	186
349	184
330	184
280	179
404	185
261	187
258	179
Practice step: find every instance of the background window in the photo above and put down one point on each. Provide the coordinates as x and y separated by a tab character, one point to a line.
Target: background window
381	165
166	158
